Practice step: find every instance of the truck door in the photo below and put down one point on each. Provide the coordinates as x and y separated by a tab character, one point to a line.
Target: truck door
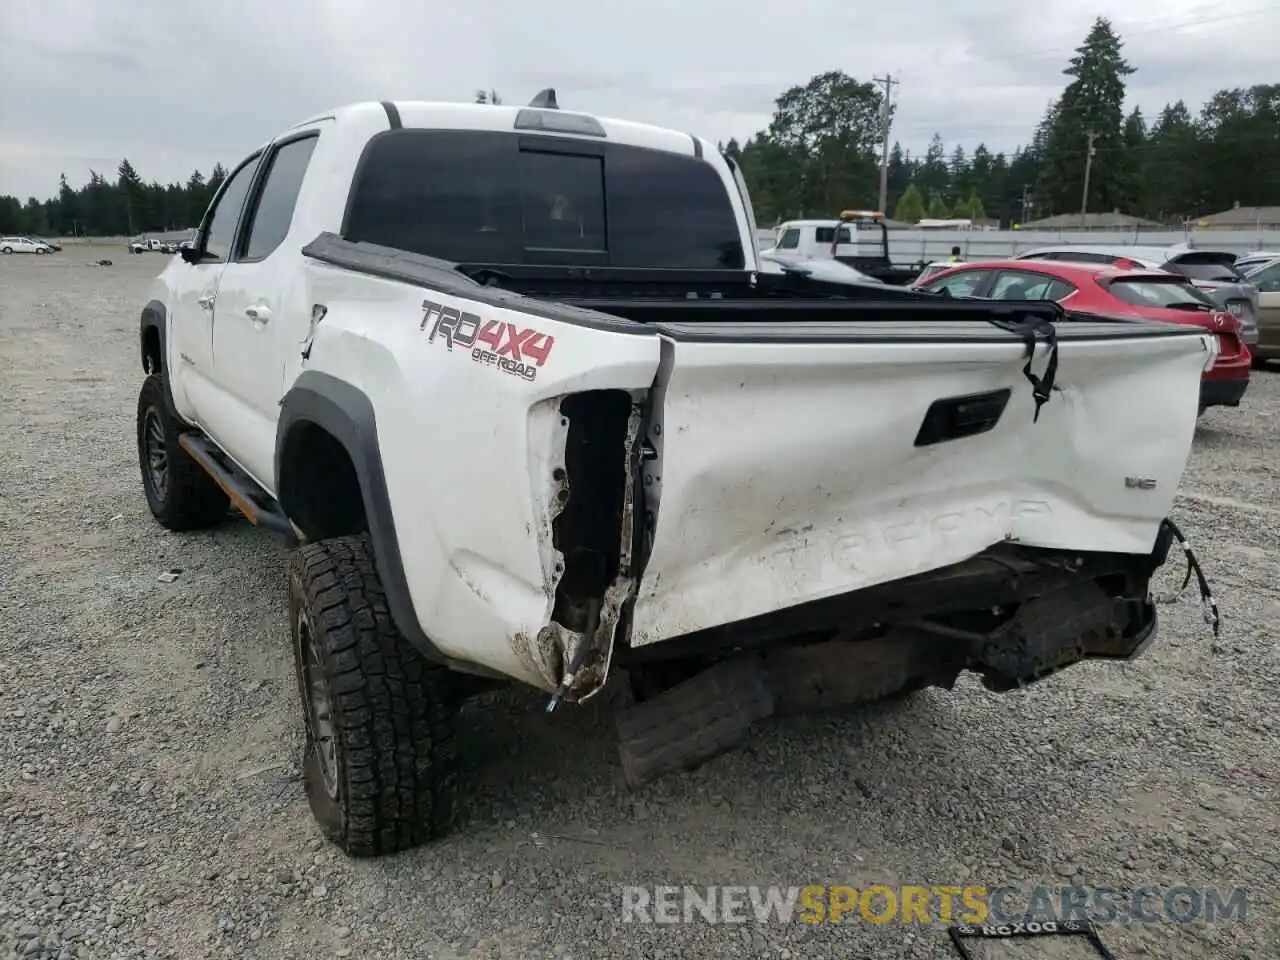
260	313
196	288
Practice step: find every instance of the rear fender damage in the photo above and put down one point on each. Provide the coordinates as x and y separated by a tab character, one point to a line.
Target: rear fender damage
587	537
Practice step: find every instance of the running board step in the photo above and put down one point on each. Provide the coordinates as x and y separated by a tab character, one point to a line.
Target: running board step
247	497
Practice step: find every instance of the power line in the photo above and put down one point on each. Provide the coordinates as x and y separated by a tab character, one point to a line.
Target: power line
1124	35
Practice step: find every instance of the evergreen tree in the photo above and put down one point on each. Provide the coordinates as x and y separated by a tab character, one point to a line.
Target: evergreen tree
1092	104
910	207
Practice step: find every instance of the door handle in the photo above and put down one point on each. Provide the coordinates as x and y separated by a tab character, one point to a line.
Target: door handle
206	302
258	314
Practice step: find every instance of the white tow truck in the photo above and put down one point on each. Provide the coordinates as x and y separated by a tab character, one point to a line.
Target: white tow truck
510	382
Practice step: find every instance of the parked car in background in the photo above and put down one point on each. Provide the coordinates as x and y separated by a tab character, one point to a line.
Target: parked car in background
1266	277
1212	271
933	269
54	247
1101	290
1247	262
152	246
23	245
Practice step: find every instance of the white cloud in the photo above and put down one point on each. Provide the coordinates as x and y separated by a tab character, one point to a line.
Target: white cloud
176	86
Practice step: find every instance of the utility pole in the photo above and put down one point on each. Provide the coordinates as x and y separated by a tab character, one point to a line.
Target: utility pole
1026	202
885	116
1088	168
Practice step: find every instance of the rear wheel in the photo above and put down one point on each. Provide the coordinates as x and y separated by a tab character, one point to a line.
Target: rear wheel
379	763
181	495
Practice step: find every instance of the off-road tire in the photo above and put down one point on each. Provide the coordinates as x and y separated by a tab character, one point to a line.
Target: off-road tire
190	499
391	777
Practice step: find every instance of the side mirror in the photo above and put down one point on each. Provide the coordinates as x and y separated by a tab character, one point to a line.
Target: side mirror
192	254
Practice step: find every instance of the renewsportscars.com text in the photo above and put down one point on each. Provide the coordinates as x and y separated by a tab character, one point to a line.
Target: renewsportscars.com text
935	904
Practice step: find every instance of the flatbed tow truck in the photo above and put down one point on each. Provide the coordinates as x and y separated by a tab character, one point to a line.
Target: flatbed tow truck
858	239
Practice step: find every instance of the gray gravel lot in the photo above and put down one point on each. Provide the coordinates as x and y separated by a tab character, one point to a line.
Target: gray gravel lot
149	735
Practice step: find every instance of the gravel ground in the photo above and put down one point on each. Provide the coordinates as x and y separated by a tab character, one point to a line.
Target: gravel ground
149	736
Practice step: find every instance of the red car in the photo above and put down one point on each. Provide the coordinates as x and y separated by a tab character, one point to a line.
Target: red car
1103	290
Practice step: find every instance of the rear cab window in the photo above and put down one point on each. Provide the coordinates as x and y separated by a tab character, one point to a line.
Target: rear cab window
828	235
490	197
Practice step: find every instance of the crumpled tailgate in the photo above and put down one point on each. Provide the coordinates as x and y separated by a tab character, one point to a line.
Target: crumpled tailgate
791	468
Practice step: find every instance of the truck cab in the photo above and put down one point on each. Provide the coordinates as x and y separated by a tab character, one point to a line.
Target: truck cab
858	239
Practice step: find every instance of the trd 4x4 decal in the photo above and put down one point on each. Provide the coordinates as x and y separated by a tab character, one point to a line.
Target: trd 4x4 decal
493	343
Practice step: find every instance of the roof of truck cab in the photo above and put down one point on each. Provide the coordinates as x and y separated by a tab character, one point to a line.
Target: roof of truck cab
501	118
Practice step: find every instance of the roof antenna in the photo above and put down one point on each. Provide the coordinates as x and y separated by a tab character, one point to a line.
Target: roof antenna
546	99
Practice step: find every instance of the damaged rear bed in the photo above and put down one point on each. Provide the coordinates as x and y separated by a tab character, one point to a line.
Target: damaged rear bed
802	453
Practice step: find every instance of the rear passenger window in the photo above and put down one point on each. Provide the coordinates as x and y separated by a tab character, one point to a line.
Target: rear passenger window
960	284
1018	285
269	223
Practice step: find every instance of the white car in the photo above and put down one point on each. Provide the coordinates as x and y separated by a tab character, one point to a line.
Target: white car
23	245
1246	262
586	430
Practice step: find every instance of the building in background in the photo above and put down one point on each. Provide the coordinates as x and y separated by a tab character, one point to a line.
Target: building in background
1113	222
1240	218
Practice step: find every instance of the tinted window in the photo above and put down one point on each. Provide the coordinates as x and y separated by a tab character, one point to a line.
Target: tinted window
222	226
279	195
1015	285
670	211
473	197
1155	293
444	194
563	202
1203	271
960	284
790	239
827	234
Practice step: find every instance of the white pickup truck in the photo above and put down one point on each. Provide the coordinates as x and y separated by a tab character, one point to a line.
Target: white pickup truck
510	382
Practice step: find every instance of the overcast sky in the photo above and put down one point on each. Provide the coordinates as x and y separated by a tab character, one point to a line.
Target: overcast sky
175	85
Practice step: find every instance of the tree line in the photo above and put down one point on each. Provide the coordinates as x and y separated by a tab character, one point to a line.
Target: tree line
820	154
123	206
